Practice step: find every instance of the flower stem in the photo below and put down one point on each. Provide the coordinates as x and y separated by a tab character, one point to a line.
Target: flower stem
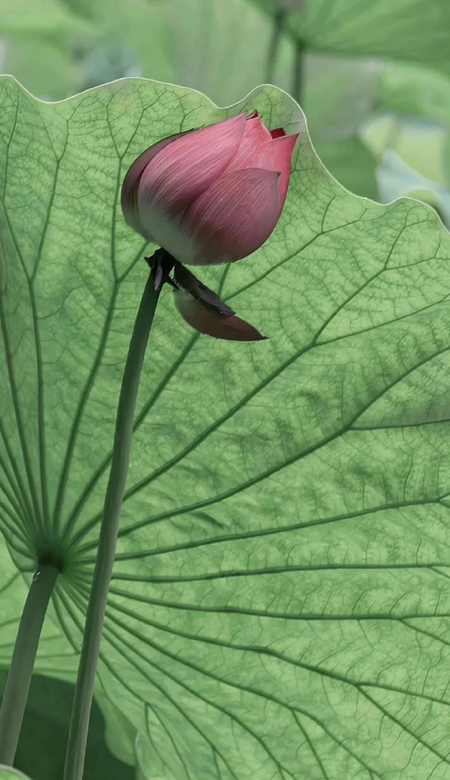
22	663
277	31
297	73
81	708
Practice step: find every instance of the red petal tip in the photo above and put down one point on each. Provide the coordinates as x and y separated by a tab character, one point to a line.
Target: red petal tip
278	132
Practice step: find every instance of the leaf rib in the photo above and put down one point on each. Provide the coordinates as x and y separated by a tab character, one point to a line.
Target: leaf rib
252	393
18	415
113	672
62	482
254	534
259	649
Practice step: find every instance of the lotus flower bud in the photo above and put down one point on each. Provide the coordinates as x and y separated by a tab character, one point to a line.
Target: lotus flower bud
212	195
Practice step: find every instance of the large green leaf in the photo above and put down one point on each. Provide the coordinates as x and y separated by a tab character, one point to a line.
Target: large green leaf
280	601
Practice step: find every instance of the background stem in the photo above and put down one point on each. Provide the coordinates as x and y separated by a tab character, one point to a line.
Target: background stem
84	689
277	29
297	75
22	663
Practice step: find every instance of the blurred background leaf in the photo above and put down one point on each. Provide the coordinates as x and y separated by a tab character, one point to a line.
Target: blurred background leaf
120	734
397	179
43	739
364	72
8	773
51	18
417	30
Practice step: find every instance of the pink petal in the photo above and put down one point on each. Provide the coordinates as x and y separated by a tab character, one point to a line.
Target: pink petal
255	135
234	217
209	321
131	181
184	170
275	156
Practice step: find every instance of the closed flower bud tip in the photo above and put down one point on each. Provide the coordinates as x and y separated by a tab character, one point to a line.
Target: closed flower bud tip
211	195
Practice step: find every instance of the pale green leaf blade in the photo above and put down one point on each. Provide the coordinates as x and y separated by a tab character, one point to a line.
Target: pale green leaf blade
280	598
